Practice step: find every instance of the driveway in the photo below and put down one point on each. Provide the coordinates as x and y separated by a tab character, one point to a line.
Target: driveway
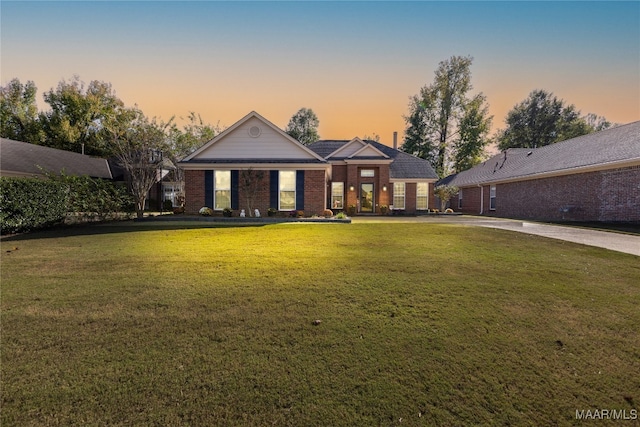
626	243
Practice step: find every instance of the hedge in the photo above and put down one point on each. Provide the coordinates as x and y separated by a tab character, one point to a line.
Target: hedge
30	204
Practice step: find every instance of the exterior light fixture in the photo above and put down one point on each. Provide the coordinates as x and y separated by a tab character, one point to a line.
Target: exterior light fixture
351	188
384	188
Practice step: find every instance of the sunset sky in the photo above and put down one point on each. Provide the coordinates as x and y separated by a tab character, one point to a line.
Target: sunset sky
354	63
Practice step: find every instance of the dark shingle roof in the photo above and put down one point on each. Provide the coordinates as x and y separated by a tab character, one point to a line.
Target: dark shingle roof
22	158
597	150
403	165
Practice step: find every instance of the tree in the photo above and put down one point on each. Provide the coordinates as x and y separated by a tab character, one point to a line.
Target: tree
473	134
19	112
74	122
543	119
184	141
433	123
138	143
303	126
445	193
251	182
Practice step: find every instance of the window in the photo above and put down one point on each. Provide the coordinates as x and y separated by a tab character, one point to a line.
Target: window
337	195
460	199
422	196
398	195
367	173
492	198
287	181
222	187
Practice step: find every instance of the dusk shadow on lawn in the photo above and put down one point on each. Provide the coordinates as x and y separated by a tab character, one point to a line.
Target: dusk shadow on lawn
121	227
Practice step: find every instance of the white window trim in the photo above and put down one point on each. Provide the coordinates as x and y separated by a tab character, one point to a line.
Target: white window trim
335	194
426	196
280	190
404	195
216	189
492	198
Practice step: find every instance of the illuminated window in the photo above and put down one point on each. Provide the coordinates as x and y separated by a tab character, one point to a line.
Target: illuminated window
367	173
287	190
398	195
422	196
222	193
337	195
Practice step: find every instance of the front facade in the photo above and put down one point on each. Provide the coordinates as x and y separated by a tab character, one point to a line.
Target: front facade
255	165
594	177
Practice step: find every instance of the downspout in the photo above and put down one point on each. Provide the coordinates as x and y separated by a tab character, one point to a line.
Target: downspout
481	200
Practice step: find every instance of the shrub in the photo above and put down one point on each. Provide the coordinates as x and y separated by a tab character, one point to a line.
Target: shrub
448	210
341	215
384	209
167	205
327	213
351	210
29	204
300	214
272	212
227	212
205	211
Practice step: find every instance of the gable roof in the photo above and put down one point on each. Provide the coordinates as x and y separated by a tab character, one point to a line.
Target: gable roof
25	159
403	165
607	149
253	139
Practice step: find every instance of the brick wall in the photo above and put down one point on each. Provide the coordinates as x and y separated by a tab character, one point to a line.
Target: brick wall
194	190
314	193
612	195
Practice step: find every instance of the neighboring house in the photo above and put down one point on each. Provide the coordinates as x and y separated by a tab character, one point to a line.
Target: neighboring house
21	159
326	174
594	177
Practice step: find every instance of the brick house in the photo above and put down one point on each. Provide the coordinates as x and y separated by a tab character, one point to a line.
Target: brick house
254	162
594	177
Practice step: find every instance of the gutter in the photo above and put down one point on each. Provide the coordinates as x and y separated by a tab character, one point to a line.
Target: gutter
481	200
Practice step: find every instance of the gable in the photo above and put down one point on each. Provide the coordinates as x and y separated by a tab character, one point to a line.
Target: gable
368	151
348	149
253	138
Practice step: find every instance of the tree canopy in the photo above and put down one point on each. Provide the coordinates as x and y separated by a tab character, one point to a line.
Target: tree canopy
544	119
303	126
19	113
443	120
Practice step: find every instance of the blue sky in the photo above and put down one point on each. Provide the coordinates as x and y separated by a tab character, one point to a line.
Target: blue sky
355	63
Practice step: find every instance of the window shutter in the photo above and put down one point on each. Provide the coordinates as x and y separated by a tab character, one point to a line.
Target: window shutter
273	189
208	189
235	180
300	190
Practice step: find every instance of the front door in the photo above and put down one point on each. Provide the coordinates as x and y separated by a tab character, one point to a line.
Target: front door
366	198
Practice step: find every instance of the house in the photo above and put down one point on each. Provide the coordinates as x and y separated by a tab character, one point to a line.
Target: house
21	159
594	177
255	163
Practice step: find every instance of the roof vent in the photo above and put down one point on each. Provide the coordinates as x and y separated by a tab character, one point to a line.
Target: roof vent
254	131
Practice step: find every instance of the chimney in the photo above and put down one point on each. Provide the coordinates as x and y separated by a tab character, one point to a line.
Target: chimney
395	140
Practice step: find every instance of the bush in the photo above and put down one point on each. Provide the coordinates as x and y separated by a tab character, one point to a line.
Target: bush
205	211
272	212
167	205
30	204
341	215
327	213
228	212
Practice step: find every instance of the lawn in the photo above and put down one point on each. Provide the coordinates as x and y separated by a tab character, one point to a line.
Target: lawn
314	324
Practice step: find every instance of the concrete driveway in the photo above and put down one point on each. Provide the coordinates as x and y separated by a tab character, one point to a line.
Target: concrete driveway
626	243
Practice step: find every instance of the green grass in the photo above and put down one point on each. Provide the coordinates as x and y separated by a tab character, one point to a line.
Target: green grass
421	324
